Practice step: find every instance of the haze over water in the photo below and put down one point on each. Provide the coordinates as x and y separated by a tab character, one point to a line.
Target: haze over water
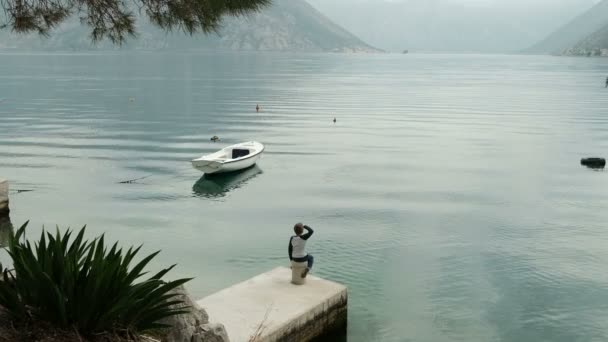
448	196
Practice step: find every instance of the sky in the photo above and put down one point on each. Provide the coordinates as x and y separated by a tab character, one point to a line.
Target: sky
492	2
452	25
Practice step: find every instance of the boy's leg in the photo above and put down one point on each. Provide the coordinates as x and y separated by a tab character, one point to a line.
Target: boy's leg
309	260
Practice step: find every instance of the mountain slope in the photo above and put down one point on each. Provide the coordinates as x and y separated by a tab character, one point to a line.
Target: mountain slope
595	44
288	25
575	31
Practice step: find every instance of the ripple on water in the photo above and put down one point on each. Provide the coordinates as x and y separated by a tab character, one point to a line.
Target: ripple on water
451	204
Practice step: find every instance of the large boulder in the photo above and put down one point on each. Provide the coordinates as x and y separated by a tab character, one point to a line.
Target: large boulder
4	197
211	333
184	326
6	227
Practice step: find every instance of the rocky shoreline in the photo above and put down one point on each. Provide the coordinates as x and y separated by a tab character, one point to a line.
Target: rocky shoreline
586	52
193	326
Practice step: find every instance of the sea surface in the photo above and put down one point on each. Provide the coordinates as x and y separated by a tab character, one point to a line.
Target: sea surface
448	196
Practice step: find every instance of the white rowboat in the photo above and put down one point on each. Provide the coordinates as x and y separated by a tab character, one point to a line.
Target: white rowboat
231	158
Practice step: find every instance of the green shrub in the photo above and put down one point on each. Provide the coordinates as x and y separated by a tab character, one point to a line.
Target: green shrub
74	283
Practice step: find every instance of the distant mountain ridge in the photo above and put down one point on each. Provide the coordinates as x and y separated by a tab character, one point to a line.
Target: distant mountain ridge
463	26
575	32
288	25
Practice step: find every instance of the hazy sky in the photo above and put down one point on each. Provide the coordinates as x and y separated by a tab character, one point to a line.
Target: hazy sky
486	3
452	25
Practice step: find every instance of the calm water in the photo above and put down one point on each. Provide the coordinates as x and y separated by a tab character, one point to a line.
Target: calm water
448	196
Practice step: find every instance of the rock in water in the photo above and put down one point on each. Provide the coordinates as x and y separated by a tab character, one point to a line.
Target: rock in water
594	163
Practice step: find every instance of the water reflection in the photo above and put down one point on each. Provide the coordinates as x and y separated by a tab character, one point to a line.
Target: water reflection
213	186
6	227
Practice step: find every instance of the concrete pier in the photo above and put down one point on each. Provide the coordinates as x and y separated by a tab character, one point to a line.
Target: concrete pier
3	197
268	308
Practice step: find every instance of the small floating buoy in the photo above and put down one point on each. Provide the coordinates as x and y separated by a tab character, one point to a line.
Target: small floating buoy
334	120
215	138
257	108
594	163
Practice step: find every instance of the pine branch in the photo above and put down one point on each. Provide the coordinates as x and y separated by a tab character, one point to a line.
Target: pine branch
115	20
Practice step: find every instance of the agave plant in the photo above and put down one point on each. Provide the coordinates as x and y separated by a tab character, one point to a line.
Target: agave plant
76	283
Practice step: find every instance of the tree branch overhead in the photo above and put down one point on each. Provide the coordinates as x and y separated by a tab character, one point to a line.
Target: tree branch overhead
116	19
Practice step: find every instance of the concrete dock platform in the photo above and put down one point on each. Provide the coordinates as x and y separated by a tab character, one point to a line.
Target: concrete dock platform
3	197
269	308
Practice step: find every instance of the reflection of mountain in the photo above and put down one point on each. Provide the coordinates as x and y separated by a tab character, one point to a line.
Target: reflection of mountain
219	185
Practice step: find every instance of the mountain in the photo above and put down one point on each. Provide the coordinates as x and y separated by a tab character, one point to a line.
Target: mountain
487	26
288	25
595	44
577	30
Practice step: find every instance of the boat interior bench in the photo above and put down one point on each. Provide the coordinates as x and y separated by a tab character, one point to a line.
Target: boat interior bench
239	152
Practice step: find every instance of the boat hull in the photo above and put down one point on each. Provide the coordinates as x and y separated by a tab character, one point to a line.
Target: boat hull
211	167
